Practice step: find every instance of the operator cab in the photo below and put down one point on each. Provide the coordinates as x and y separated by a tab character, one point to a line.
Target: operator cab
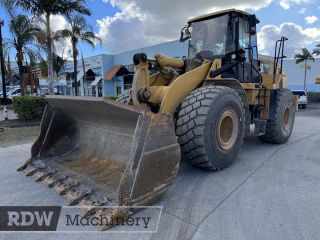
223	35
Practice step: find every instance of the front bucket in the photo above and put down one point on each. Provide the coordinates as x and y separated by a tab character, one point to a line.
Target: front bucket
99	152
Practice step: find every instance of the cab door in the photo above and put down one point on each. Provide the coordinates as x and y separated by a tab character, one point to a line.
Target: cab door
248	71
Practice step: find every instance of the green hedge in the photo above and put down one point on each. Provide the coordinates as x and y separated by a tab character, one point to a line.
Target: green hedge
28	107
112	98
313	97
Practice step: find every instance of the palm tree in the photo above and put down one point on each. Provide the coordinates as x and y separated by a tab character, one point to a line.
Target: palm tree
79	31
24	30
43	68
47	8
316	51
58	64
9	72
305	56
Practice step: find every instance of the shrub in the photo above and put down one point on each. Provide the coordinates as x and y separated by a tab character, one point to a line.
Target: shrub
313	97
28	107
112	98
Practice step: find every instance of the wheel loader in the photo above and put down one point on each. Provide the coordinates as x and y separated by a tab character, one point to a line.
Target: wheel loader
126	153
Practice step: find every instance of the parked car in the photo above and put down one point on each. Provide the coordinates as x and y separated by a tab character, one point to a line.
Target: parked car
303	99
44	92
9	88
14	93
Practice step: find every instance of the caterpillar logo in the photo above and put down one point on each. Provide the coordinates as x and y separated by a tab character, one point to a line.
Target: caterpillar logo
29	218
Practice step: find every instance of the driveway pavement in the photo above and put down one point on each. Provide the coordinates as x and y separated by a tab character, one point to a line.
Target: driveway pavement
270	192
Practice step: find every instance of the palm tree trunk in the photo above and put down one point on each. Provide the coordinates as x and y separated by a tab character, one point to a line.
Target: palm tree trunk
20	66
305	75
75	68
49	55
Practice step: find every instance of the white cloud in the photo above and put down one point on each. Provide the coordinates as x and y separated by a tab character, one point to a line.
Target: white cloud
302	11
311	19
141	23
286	4
298	38
146	22
58	23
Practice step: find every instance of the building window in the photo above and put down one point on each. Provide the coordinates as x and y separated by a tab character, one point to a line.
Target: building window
127	81
118	90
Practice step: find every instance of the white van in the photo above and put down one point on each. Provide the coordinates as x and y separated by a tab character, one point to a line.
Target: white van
303	99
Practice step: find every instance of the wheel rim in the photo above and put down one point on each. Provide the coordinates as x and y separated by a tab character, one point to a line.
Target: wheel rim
286	117
228	127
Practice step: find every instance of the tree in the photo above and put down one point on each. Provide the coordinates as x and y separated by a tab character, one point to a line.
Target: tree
43	68
79	31
58	64
47	8
316	51
9	72
305	56
24	29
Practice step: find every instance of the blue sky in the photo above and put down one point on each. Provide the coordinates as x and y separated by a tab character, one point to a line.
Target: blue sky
128	24
274	14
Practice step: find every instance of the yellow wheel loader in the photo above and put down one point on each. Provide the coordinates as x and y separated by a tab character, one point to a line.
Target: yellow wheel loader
98	152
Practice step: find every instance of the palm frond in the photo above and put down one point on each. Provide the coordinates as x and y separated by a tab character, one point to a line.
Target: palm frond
90	38
79	31
304	56
316	51
53	7
62	34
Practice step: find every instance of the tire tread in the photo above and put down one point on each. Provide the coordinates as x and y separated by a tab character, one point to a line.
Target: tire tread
190	124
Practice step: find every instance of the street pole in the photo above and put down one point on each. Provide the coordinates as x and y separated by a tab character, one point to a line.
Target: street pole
83	78
4	90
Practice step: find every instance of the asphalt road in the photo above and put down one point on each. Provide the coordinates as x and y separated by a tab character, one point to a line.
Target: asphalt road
270	192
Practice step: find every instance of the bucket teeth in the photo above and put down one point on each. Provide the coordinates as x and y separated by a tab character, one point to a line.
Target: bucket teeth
23	167
89	211
75	195
30	170
42	174
104	222
52	180
64	186
89	206
109	217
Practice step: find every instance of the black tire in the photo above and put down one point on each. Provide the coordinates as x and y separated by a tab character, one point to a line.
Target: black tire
125	97
304	106
197	127
279	128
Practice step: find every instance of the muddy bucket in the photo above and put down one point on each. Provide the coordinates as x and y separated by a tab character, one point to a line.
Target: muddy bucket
99	152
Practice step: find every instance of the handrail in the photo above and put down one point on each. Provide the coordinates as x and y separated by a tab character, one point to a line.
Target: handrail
278	55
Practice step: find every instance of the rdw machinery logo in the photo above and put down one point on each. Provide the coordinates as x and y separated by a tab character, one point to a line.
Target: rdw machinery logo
29	218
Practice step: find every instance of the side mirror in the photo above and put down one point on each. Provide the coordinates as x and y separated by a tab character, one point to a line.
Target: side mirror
185	34
252	24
